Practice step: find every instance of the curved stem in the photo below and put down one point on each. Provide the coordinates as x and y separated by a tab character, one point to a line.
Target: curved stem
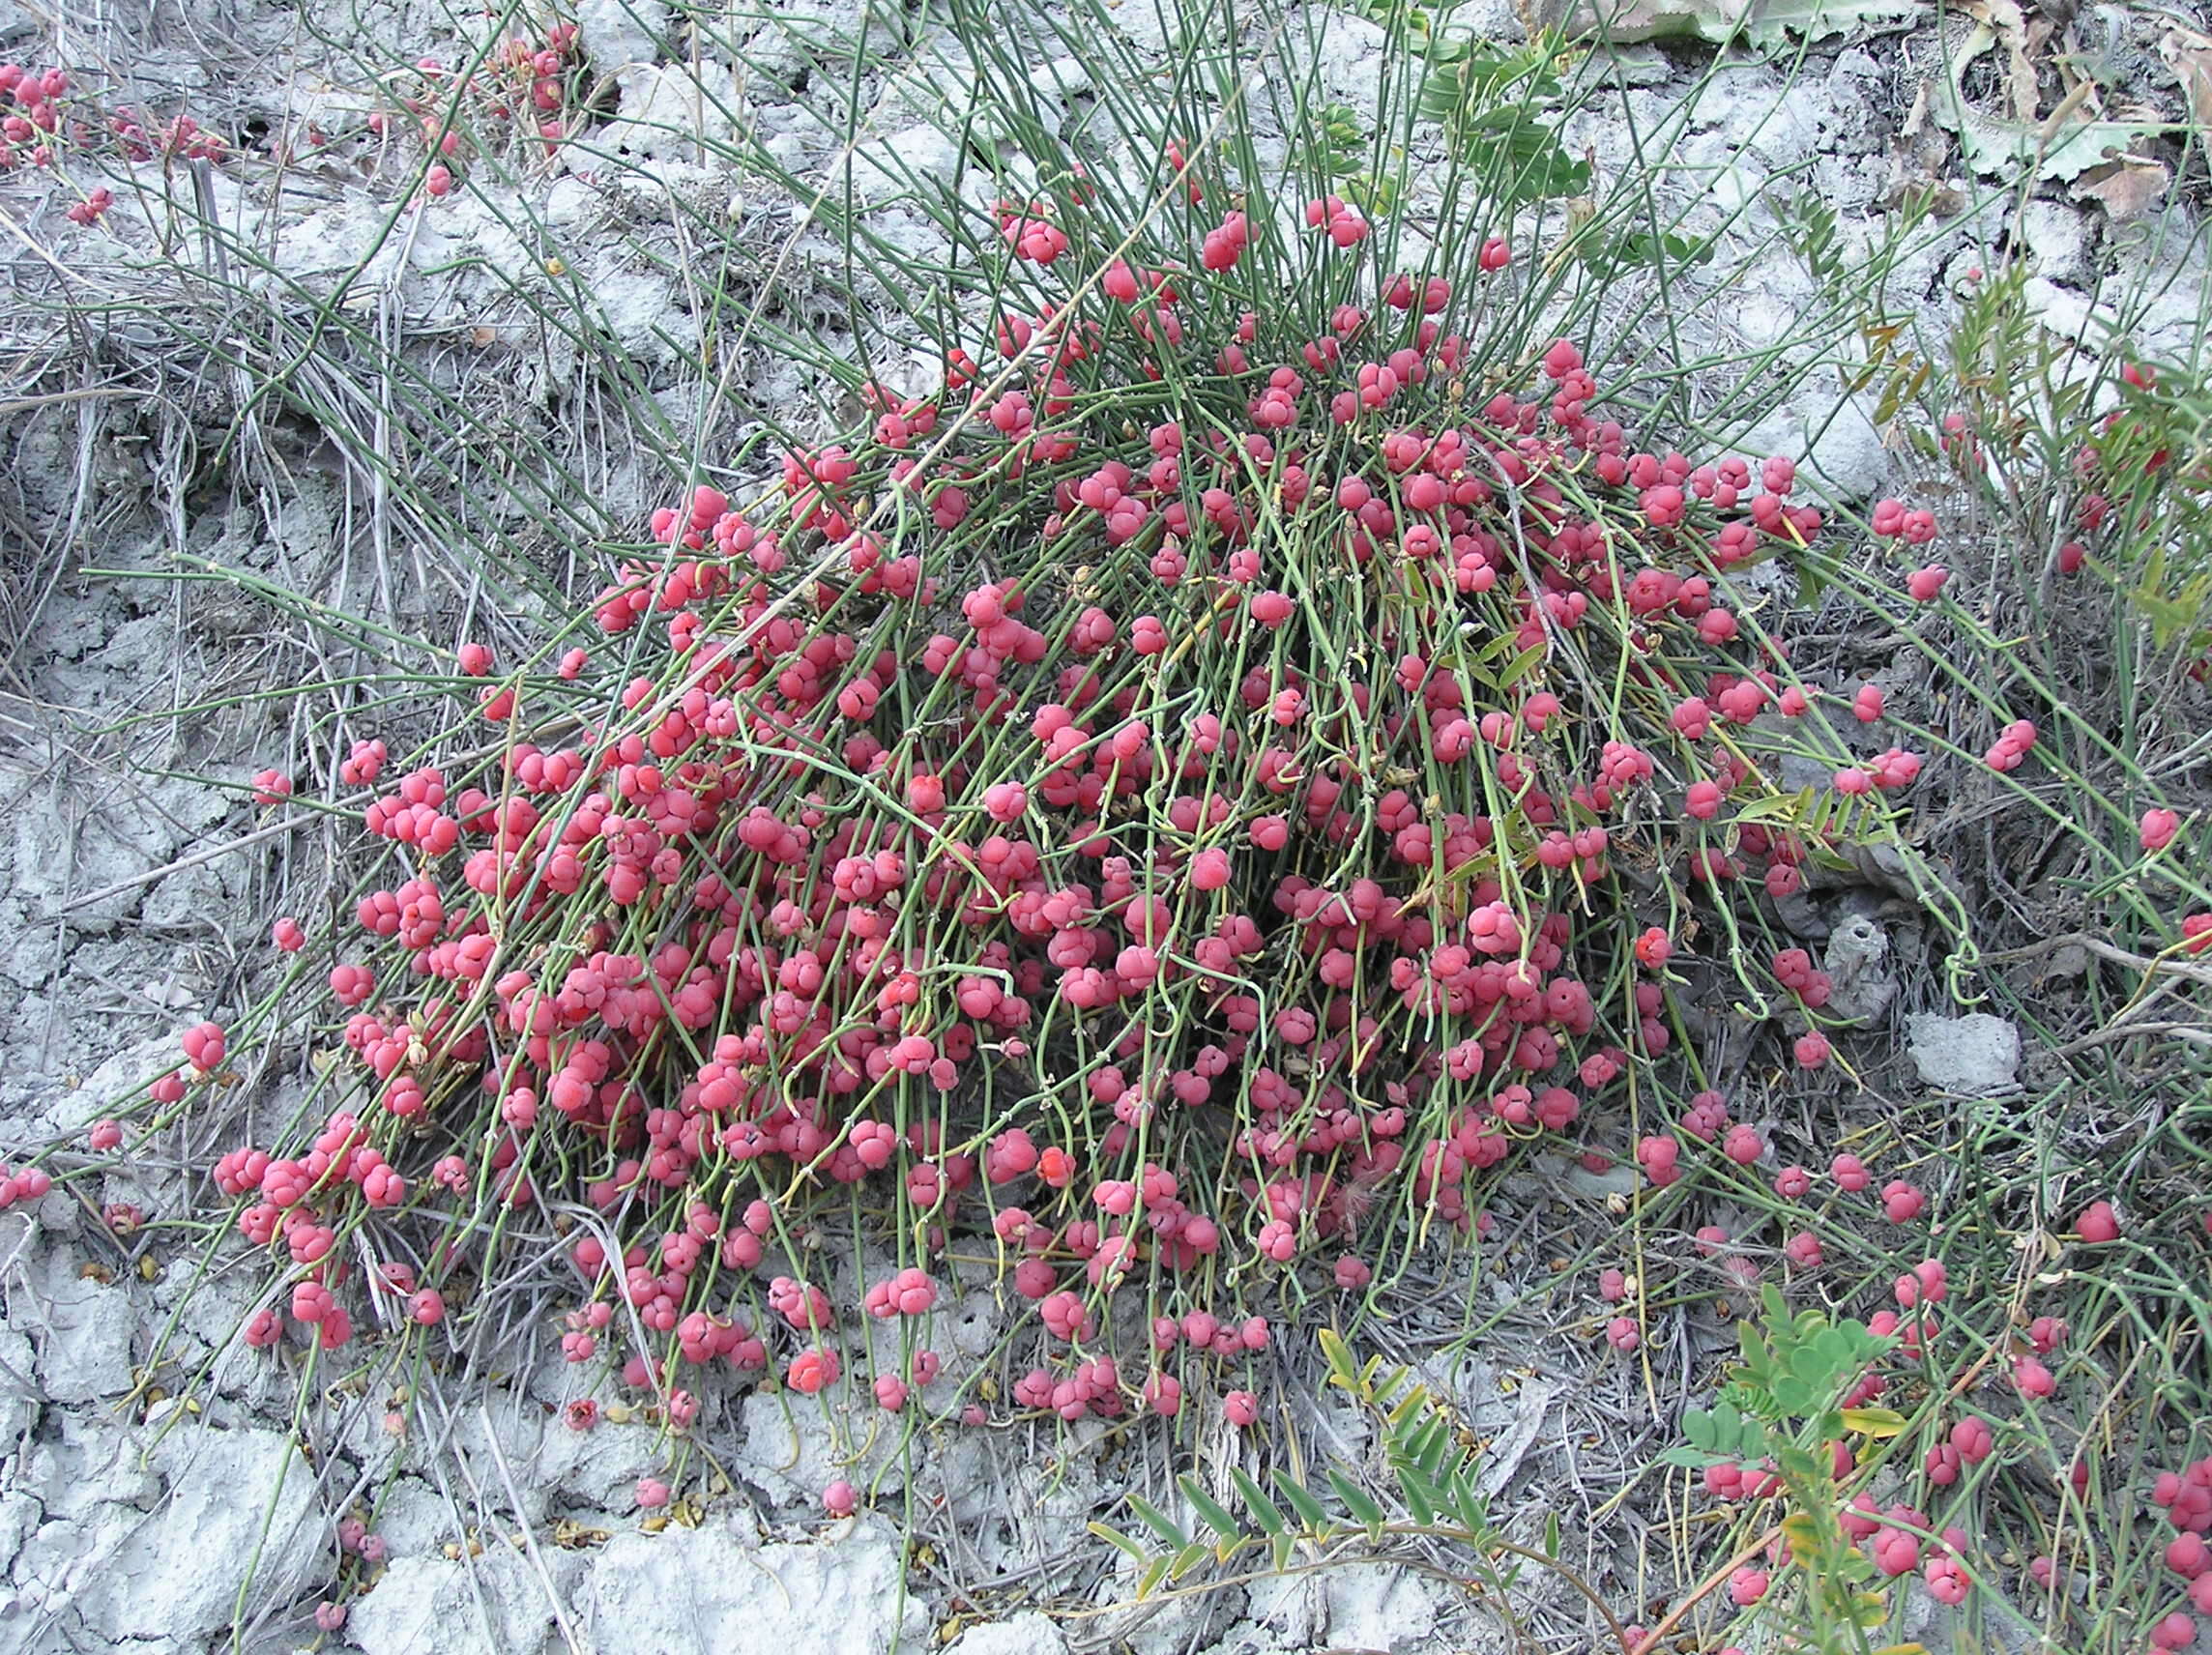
1705	1589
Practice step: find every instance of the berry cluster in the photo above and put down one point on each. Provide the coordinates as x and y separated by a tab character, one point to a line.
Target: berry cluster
1150	810
32	100
1103	908
534	80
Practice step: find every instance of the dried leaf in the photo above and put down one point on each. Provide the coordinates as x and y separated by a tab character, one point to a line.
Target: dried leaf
2004	19
2190	56
2127	189
2061	149
1505	1455
2088	145
1916	118
1766	24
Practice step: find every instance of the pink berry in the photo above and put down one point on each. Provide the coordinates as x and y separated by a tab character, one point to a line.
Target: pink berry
1743	1144
2159	829
1659	1155
1946	1581
204	1046
2178	1631
1924	1284
1972	1438
1901	1202
2188	1555
651	1494
287	935
839	1498
2098	1223
104	1136
2032	1379
1242	1409
1924	583
1896	1552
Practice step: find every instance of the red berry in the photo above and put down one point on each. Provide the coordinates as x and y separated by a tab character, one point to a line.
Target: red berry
2031	1377
204	1046
2098	1223
1901	1202
1924	583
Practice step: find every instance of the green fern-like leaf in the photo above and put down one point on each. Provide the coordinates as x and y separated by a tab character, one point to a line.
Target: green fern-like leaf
1136	1550
1362	1505
1265	1511
1470	1506
1343	1370
1169	1530
1198	1551
1425	1444
1266	1514
1422	1497
1491	107
1211	1512
1306	1504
